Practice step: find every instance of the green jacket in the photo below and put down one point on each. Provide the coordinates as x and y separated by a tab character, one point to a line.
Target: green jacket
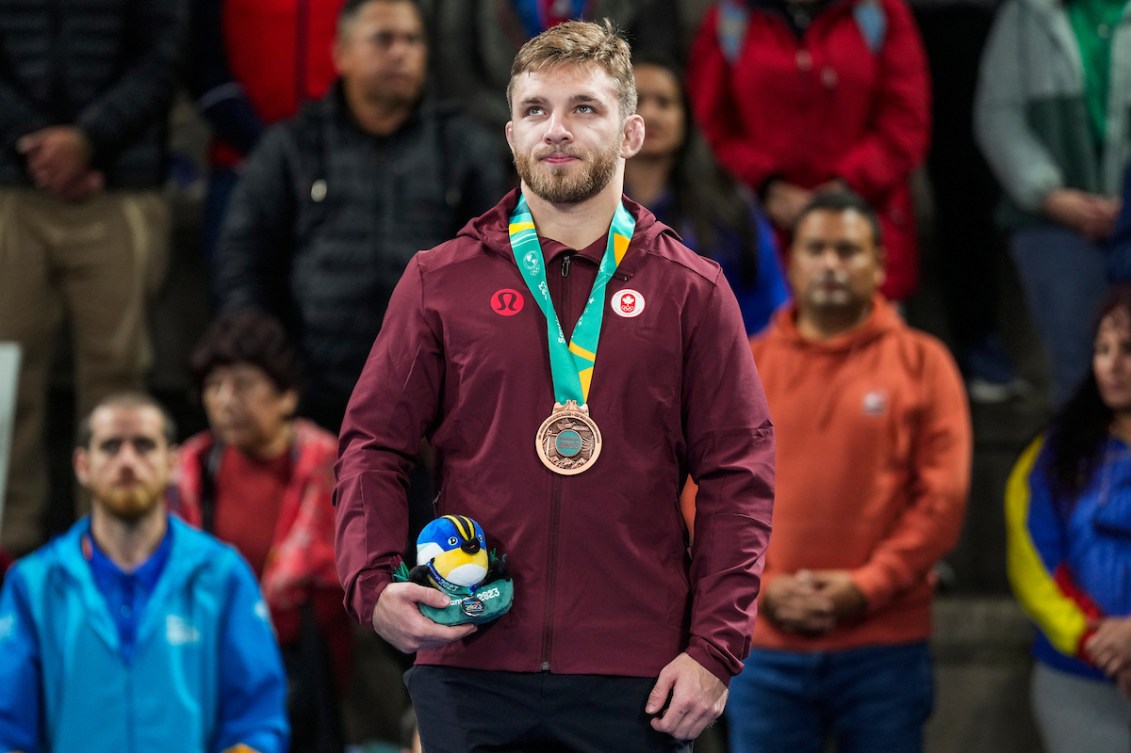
1029	113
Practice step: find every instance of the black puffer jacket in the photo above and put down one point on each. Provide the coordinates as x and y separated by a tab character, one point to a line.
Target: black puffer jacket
326	217
106	66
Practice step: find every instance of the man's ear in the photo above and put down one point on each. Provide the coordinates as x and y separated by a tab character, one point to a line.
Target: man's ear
80	459
633	136
508	130
881	268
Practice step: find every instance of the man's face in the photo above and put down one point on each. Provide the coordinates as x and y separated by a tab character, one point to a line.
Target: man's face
382	55
128	463
566	132
834	262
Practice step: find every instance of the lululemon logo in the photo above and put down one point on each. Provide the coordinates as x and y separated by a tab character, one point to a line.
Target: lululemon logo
507	302
627	303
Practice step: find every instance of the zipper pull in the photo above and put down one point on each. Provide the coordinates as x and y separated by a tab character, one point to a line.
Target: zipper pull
565	264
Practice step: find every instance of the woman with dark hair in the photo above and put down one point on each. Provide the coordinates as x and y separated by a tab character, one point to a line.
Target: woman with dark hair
263	481
677	178
1068	522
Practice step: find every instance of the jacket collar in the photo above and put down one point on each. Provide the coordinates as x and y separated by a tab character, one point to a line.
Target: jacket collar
491	229
185	557
881	320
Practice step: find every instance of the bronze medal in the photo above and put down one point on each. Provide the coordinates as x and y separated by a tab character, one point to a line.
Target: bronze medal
568	442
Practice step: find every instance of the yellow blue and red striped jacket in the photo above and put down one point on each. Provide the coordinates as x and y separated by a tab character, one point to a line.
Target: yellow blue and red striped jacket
1069	562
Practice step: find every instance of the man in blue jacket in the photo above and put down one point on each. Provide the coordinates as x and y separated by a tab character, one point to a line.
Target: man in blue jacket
133	632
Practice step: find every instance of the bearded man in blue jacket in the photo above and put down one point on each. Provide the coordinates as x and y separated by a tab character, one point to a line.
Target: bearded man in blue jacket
133	632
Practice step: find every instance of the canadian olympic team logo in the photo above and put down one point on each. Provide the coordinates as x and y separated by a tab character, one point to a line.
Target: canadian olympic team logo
627	303
507	302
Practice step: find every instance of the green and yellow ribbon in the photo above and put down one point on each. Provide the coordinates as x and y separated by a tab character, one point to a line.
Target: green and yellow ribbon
571	364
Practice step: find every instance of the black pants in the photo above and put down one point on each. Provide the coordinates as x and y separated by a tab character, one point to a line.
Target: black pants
474	711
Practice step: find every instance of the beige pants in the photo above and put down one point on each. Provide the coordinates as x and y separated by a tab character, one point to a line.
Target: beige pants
95	264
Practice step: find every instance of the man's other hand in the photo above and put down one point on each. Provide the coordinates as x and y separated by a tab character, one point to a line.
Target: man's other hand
694	698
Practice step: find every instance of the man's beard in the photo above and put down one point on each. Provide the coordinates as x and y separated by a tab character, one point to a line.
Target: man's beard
557	186
129	504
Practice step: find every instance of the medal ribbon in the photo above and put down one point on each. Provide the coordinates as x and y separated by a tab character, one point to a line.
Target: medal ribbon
571	364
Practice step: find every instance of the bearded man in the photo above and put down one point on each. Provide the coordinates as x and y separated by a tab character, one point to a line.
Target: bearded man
133	631
621	637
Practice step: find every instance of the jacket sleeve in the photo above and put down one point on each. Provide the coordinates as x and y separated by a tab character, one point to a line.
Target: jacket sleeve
1035	549
253	255
220	98
730	454
21	689
896	140
394	403
142	94
1023	166
710	89
304	557
930	524
253	685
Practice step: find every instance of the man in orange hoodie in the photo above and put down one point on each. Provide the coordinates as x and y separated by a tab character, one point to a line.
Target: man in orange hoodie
873	468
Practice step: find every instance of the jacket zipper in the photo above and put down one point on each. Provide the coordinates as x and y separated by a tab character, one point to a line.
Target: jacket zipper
555	502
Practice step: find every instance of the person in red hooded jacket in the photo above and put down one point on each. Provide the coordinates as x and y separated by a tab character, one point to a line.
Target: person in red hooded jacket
261	480
796	97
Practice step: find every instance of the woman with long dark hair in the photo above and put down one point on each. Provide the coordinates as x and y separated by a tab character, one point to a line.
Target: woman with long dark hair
678	179
1068	520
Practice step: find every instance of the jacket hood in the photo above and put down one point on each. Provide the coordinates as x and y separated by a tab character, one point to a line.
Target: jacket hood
491	228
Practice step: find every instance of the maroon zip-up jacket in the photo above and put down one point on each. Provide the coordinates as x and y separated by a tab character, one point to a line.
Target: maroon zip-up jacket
604	583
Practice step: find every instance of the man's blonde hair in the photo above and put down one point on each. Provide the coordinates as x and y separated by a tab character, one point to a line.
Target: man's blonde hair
581	43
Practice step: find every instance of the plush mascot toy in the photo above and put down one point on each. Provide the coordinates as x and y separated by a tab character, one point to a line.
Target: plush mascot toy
452	556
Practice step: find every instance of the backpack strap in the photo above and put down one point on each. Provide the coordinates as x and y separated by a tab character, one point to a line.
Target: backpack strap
873	23
208	472
732	19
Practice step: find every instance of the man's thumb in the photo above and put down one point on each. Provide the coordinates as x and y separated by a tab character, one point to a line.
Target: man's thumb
659	695
434	597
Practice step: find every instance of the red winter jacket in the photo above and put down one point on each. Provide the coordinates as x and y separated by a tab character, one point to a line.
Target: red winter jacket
822	106
300	566
603	582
